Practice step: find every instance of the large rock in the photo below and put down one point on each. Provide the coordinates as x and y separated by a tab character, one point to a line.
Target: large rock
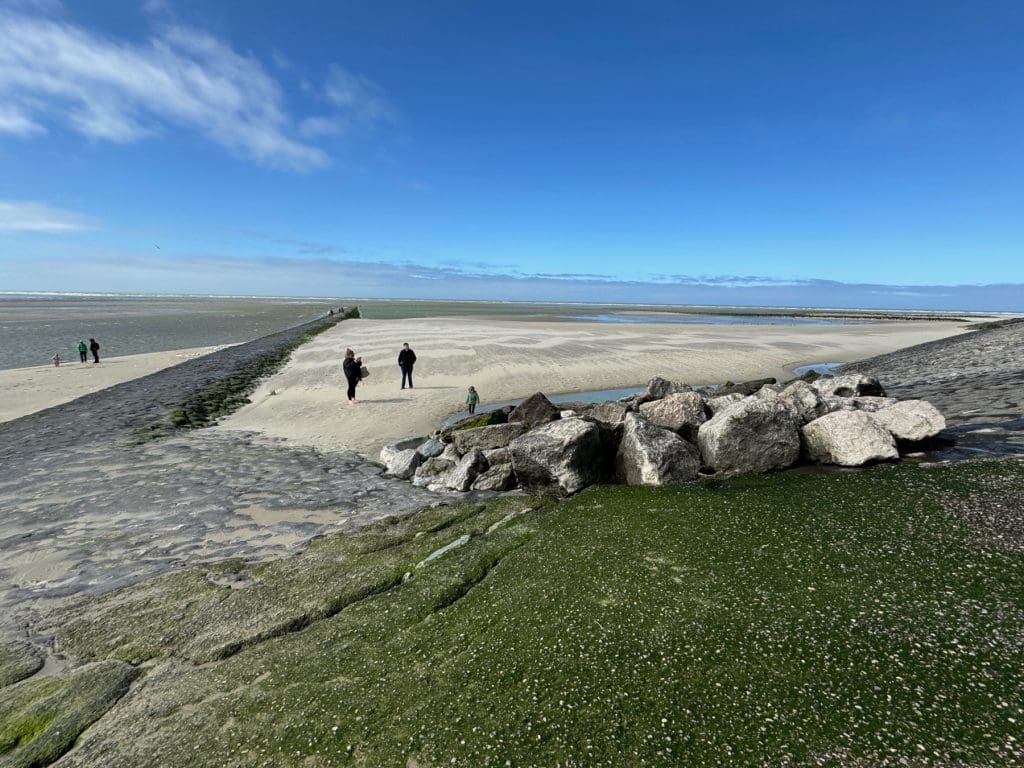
719	402
651	455
500	477
430	448
611	413
562	455
911	420
432	472
485	438
848	438
402	464
463	474
753	435
807	402
497	456
868	404
682	413
534	411
388	453
849	385
657	388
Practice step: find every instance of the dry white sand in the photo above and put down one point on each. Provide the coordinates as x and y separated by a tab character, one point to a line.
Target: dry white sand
509	359
27	390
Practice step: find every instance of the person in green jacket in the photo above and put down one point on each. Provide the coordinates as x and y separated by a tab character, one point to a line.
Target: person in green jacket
82	351
472	398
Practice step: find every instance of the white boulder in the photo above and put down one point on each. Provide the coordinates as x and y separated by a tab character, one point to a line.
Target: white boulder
848	438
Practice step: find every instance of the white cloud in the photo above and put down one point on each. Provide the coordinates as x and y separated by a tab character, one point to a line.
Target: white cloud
315	127
157	7
15	120
27	216
54	71
357	96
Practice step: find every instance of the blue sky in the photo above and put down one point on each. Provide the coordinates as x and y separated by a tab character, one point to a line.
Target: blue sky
790	153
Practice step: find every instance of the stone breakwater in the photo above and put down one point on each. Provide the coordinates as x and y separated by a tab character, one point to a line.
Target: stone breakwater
671	434
91	500
976	379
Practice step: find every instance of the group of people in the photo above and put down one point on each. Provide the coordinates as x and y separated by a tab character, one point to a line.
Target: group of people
355	372
83	352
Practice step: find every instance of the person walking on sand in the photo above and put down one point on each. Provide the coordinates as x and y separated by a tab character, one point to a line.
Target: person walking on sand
352	368
83	351
472	398
406	360
56	359
94	347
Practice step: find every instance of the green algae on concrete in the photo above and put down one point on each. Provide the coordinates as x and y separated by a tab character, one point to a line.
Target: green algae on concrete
797	619
212	612
18	660
41	718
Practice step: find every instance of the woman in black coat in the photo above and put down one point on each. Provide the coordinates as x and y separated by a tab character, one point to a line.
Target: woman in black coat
352	366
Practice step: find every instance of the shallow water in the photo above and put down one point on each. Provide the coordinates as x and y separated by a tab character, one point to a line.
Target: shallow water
821	368
737	319
593	396
34	327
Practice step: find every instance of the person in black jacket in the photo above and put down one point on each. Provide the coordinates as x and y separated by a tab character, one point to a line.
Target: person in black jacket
406	360
94	347
352	367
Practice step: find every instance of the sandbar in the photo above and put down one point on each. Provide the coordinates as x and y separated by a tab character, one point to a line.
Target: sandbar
508	359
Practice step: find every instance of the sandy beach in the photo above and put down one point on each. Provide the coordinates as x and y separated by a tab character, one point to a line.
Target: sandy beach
507	359
27	390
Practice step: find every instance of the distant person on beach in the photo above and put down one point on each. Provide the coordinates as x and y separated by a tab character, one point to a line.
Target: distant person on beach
352	367
83	351
406	360
56	359
472	398
94	347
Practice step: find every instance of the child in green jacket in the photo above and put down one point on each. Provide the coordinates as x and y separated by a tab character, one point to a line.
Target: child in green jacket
472	398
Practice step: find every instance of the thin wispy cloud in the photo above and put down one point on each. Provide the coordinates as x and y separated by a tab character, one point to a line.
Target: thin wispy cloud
301	246
27	216
353	101
54	72
358	96
15	120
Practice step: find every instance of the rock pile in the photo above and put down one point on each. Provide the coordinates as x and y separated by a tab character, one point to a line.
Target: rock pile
671	434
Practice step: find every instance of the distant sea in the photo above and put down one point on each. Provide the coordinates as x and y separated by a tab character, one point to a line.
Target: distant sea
35	325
